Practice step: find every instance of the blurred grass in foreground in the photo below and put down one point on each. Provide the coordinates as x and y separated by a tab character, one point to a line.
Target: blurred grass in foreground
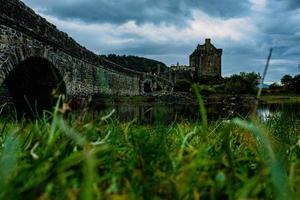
86	158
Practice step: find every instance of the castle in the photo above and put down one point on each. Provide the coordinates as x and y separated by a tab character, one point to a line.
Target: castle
205	61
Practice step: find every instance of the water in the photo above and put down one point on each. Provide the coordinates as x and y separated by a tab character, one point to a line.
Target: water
289	110
165	113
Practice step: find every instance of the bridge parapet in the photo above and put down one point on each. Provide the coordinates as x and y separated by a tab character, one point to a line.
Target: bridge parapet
24	34
17	15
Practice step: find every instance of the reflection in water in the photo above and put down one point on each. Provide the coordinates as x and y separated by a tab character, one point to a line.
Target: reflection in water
162	113
167	113
268	111
265	113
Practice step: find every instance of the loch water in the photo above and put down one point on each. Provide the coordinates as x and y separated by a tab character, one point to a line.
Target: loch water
166	113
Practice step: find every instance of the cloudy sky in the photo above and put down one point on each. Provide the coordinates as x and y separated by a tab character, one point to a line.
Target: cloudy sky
169	30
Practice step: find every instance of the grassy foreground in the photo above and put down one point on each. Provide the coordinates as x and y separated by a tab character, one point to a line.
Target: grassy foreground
84	158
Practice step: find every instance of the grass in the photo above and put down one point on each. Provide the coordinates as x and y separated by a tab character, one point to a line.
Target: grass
57	157
280	98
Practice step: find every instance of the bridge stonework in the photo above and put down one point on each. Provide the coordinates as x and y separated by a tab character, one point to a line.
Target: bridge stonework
24	34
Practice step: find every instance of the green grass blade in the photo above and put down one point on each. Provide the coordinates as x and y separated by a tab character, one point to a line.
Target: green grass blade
202	109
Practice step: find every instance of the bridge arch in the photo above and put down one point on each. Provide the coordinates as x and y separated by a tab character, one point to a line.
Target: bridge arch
146	86
158	87
32	84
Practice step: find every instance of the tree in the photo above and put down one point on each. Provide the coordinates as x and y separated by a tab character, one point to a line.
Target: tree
136	63
244	83
291	84
235	84
286	79
296	84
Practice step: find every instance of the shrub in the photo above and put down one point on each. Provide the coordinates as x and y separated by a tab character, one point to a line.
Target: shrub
182	85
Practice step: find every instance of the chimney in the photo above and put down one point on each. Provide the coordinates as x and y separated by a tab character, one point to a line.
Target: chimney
207	41
207	44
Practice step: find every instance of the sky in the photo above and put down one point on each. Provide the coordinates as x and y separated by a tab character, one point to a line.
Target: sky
169	30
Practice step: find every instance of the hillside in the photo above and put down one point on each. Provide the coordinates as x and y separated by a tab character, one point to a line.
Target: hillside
136	63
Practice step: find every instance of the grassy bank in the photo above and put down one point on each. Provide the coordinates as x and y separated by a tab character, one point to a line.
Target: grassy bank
280	98
80	158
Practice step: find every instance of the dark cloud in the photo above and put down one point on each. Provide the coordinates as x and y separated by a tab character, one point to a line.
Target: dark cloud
277	26
280	30
150	48
141	11
289	4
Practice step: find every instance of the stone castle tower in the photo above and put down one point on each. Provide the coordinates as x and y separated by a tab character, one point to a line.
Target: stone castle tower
206	60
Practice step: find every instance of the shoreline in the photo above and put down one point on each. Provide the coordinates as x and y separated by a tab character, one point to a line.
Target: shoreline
280	99
180	98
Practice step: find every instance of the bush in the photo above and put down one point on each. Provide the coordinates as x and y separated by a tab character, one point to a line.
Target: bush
182	85
211	80
207	89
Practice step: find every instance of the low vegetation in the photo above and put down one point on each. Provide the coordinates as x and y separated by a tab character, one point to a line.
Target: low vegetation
280	99
243	83
289	86
58	157
137	63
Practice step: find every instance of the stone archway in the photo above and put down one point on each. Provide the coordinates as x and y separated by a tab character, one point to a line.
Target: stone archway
32	84
159	87
147	87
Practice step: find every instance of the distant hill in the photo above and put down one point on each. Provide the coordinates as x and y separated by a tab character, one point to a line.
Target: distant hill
264	86
136	63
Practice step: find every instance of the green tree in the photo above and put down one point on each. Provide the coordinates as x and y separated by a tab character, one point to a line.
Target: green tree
136	63
296	84
235	84
286	79
244	83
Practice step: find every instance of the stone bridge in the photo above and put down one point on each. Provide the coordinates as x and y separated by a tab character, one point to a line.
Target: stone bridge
35	58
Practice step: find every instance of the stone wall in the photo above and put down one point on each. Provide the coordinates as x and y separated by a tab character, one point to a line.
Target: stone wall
25	34
81	78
